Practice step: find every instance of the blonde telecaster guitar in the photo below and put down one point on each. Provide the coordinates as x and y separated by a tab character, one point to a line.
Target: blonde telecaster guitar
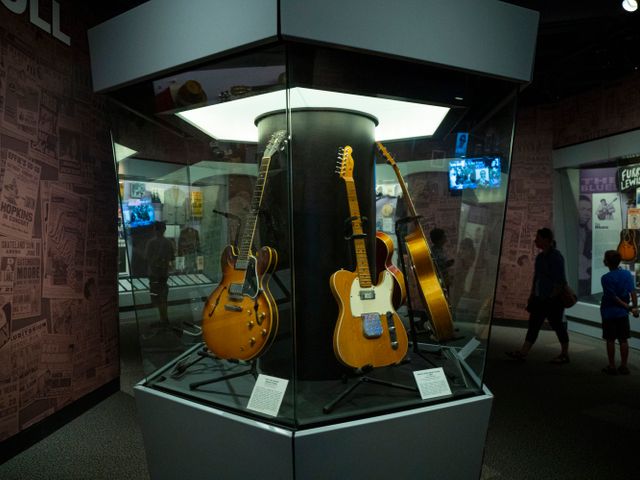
368	332
431	291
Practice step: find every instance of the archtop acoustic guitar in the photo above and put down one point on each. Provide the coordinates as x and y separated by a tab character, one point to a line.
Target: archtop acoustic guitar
384	254
368	332
431	291
240	317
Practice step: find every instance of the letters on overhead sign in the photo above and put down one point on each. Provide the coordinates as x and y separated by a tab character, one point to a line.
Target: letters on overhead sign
20	6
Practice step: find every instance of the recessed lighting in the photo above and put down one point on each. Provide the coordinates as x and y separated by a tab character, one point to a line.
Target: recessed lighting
630	5
235	120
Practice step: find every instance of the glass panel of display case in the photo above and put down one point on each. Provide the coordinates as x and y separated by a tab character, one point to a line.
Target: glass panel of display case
215	319
334	231
422	168
600	210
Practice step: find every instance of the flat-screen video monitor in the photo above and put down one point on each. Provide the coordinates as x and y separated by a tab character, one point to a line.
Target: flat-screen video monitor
137	213
476	172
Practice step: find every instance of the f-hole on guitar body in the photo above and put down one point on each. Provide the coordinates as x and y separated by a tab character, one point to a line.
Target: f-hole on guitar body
240	317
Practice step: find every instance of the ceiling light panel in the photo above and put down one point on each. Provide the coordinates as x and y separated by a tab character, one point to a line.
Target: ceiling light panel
235	120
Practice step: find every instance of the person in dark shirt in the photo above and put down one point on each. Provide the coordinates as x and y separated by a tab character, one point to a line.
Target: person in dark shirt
618	289
442	262
544	302
159	254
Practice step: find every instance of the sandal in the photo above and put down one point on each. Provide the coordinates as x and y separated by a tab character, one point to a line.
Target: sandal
609	370
623	370
560	359
516	355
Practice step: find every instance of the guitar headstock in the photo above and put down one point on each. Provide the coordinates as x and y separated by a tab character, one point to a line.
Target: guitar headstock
385	153
344	166
276	140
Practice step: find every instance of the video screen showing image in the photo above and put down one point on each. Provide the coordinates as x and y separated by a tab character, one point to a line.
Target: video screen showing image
137	213
479	172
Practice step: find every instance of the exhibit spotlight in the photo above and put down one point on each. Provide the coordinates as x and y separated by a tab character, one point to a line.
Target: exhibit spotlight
630	5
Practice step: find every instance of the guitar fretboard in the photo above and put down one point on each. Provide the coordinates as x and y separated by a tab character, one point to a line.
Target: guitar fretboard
251	219
359	244
411	209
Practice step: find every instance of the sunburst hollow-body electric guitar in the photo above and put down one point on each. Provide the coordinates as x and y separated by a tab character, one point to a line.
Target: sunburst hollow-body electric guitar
431	292
240	317
368	332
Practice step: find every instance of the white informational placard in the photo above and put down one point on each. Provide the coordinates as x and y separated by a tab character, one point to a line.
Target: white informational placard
267	395
468	348
432	383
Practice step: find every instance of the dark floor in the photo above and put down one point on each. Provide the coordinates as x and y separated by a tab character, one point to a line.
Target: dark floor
561	421
548	422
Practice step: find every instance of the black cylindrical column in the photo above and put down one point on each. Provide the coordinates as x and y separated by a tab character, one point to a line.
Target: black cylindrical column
318	217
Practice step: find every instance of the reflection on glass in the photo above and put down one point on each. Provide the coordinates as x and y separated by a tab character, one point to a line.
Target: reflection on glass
246	255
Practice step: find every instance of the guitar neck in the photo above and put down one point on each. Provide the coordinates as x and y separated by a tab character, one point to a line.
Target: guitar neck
251	219
360	247
405	192
411	209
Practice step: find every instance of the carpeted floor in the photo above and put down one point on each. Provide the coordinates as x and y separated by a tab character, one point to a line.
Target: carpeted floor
564	422
567	422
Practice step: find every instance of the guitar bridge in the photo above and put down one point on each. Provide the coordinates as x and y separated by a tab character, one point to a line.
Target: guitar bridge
392	331
371	325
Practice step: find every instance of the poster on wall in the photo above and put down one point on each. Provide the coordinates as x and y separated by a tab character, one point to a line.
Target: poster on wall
27	291
7	271
19	196
628	177
633	218
65	247
45	147
27	344
20	104
70	156
196	204
607	224
592	181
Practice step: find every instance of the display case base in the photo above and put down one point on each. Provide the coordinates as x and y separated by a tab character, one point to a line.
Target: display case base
184	439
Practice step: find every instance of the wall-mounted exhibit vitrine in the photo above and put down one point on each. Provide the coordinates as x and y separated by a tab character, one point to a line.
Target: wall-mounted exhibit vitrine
348	199
596	209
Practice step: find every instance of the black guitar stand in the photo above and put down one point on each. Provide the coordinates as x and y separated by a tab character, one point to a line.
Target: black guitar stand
328	408
412	314
287	294
230	216
204	353
348	228
181	367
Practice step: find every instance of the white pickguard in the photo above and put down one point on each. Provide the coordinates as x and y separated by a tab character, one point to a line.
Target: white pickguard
380	304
